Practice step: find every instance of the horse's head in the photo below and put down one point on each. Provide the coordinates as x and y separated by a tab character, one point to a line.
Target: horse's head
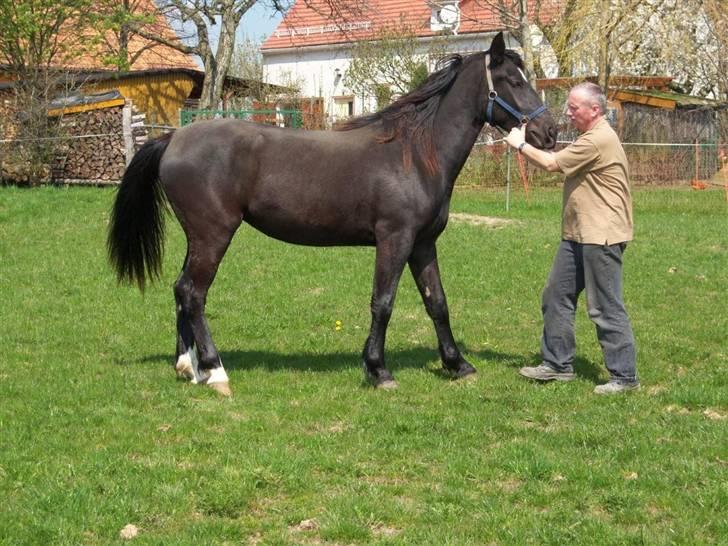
511	99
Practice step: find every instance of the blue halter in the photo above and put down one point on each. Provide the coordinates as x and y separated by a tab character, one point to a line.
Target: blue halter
494	98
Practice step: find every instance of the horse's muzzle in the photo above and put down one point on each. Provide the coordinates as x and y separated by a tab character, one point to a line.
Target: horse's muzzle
542	132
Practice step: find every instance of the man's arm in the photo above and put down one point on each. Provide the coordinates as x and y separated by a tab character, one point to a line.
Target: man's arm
540	158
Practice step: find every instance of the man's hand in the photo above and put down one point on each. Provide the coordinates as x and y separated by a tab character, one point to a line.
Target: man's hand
517	136
540	158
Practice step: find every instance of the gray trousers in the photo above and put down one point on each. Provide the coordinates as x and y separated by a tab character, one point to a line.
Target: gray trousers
598	270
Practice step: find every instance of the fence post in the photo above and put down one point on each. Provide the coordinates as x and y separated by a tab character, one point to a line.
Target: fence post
508	179
697	160
127	132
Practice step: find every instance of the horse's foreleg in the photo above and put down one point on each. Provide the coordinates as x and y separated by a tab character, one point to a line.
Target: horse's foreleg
423	265
392	254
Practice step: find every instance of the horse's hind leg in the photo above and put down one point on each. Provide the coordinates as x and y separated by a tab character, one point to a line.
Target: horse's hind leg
197	356
186	359
423	265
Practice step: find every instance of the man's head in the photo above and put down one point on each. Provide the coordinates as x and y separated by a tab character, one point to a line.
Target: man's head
586	105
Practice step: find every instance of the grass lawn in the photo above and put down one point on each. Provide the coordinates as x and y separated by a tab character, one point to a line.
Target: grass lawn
96	433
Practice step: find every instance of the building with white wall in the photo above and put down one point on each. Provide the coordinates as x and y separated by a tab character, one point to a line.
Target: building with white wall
313	50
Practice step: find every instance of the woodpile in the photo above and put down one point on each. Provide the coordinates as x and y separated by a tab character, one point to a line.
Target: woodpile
94	147
97	144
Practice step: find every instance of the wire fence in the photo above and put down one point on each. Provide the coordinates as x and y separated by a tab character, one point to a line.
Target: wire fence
492	165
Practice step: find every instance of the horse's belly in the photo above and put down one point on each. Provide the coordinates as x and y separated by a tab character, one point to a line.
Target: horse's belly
311	233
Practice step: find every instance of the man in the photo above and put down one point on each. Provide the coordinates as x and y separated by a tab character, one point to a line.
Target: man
596	226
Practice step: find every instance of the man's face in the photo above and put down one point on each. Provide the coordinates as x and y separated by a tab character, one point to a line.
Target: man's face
582	113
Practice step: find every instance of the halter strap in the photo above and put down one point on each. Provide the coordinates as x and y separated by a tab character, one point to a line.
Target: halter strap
494	98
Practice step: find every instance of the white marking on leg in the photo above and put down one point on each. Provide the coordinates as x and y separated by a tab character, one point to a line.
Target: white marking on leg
217	375
208	377
184	366
188	366
218	380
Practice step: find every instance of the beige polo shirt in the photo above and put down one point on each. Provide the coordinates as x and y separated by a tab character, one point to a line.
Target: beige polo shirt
597	206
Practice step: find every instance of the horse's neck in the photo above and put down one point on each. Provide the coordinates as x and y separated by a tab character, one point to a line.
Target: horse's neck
459	122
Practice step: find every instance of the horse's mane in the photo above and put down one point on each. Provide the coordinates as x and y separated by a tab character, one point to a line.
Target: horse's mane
411	117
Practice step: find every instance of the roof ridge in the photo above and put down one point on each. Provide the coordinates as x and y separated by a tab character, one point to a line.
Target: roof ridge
304	25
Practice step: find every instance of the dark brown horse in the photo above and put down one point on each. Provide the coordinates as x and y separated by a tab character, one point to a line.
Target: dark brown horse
384	180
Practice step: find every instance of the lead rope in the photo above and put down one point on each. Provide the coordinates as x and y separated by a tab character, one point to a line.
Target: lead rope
524	172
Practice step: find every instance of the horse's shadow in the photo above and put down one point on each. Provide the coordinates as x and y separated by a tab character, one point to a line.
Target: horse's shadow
397	360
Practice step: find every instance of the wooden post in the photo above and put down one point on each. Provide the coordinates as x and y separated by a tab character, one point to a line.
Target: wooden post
697	160
508	179
128	135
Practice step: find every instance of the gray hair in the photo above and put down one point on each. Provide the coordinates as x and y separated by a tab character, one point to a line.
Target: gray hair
595	94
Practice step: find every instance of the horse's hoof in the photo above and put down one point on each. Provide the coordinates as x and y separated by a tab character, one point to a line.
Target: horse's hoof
184	369
388	385
463	372
380	379
221	388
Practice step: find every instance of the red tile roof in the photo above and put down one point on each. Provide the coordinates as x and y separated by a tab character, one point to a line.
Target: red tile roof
312	22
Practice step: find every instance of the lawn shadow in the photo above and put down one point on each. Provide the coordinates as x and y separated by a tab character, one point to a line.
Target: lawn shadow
272	361
481	360
587	369
583	368
414	358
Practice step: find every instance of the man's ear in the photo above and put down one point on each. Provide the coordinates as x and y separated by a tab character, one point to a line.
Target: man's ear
497	49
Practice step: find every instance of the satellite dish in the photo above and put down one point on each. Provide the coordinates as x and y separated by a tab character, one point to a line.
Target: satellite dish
449	14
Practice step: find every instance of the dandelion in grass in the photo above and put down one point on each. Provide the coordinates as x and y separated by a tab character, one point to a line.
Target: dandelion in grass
337	325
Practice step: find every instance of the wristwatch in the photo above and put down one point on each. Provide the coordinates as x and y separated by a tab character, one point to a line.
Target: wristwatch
520	146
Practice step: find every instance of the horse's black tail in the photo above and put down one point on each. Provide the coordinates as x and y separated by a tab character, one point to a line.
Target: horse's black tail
136	229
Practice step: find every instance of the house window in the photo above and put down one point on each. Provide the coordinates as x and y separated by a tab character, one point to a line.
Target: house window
343	108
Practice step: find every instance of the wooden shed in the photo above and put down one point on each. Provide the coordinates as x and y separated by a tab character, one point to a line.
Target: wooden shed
654	115
159	93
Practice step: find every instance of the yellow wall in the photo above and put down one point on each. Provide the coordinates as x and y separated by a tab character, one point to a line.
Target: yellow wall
160	97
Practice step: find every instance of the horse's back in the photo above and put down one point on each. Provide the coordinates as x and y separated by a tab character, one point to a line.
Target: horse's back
209	149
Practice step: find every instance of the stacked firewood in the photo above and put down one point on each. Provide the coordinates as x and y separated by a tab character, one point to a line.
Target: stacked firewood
93	147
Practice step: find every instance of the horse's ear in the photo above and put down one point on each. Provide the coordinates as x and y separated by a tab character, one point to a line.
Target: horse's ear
498	48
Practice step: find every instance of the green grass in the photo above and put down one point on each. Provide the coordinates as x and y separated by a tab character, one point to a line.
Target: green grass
96	433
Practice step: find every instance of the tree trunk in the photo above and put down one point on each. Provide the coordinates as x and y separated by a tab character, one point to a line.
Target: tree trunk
225	49
209	62
527	42
207	100
603	64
